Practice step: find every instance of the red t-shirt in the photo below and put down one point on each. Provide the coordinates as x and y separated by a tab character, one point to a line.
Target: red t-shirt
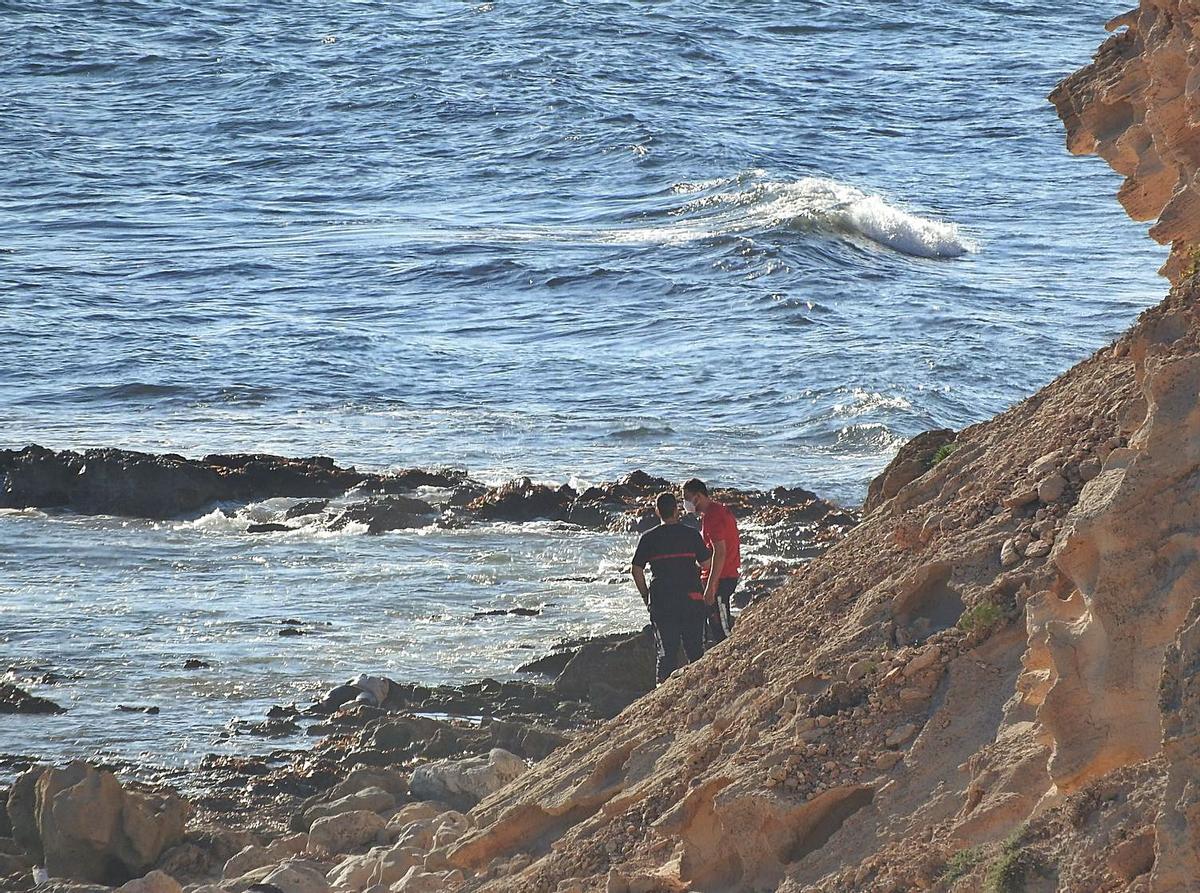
719	524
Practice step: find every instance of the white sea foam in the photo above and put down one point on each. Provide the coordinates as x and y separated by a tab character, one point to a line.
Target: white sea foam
215	521
746	205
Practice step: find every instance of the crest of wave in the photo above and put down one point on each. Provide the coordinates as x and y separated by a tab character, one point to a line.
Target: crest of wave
814	203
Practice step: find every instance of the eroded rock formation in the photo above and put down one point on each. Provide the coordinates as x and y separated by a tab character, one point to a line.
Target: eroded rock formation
1138	107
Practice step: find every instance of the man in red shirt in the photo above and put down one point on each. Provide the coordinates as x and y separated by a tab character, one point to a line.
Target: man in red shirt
719	529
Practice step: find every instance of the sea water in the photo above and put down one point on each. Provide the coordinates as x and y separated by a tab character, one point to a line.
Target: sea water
763	243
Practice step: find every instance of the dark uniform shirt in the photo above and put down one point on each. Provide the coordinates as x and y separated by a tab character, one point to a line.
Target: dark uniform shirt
672	551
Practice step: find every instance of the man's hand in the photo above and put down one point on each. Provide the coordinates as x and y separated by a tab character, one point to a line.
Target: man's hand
639	580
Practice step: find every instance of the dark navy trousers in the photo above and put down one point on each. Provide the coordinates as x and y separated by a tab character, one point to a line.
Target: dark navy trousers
676	626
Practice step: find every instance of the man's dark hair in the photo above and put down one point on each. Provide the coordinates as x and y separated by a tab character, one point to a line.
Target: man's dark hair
667	504
695	485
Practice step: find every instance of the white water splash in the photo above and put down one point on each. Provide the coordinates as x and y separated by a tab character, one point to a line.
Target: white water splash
741	206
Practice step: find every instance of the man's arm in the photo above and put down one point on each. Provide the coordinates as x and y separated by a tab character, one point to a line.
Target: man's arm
714	572
639	580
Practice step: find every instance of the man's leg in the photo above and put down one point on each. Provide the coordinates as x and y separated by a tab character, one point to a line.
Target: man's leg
725	590
692	631
667	632
720	619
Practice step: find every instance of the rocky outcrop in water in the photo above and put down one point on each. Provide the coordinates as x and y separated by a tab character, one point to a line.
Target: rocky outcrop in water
17	700
120	482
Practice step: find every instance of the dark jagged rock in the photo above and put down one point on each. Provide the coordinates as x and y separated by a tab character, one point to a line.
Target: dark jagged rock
399	740
269	728
251	476
123	482
412	478
487	697
268	528
108	481
16	700
518	700
610	674
502	612
386	513
522	500
307	507
194	663
562	652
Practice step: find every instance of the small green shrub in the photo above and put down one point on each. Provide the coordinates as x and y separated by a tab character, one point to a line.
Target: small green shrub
1007	873
961	863
981	616
942	452
1193	268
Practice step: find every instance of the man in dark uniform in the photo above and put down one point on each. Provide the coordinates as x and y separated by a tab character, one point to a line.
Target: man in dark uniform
674	597
719	529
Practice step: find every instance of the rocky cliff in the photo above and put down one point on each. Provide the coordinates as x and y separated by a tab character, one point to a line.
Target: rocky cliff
991	683
1138	107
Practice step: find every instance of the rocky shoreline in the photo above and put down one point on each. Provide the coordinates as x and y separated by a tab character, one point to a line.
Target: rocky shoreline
375	745
159	486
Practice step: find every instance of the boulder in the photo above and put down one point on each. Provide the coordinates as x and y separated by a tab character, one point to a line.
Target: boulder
254	856
1052	487
344	832
396	863
123	482
370	799
610	674
298	877
466	782
523	500
154	882
386	513
85	826
913	460
355	872
417	880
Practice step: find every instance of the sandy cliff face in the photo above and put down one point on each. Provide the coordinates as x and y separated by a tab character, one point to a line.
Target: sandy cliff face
995	678
1138	107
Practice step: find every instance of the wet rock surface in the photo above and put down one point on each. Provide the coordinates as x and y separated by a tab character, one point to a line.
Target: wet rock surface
796	523
17	700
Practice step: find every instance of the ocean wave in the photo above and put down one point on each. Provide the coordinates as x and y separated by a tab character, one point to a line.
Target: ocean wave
863	401
748	204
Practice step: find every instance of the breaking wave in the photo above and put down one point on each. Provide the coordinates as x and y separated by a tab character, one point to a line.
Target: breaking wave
749	204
